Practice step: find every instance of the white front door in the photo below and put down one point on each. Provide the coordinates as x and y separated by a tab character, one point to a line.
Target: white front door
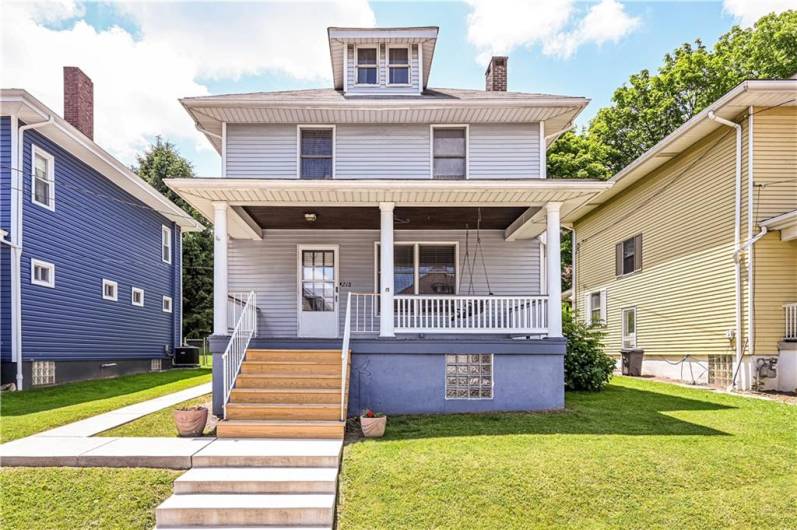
317	297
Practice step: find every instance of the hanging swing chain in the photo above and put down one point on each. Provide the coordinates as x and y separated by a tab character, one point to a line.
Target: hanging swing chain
480	250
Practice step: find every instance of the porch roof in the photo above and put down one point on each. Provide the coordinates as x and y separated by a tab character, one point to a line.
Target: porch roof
531	194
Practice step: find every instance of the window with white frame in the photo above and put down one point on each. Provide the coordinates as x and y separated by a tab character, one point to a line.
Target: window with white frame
137	296
316	152
167	304
421	268
42	178
449	152
42	273
166	244
110	290
596	307
367	60
469	376
398	66
629	328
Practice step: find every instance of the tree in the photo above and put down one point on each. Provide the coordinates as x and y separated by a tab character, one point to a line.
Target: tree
578	156
160	161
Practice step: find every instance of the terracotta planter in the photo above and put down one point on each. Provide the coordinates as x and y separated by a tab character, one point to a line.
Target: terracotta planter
373	427
191	422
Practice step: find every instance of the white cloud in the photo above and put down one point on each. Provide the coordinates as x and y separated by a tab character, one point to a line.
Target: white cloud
138	77
496	27
748	11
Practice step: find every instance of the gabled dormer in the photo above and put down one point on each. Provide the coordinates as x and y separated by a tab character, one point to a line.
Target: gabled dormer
381	61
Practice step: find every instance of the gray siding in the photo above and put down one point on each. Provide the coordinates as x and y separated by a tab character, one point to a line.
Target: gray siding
269	268
382	151
383	88
504	151
261	151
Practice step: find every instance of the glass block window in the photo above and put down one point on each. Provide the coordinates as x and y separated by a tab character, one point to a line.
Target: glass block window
316	153
469	376
155	365
43	373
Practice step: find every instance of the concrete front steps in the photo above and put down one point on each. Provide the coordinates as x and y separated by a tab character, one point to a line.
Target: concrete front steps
256	484
286	394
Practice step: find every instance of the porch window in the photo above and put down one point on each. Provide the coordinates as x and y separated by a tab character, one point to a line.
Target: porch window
318	280
316	152
628	256
367	66
449	148
398	66
469	376
629	328
421	268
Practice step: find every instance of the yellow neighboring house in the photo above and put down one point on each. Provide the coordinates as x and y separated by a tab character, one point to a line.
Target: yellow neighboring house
691	256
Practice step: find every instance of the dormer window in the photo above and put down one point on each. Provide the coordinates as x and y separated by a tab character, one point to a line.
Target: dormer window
398	66
367	66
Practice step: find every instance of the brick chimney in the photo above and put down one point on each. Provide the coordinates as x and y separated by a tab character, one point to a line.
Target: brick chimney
495	76
79	100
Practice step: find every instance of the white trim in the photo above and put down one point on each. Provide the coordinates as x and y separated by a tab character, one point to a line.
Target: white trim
223	149
220	273
543	152
299	128
357	64
336	260
166	241
34	152
416	261
167	301
407	47
434	126
420	68
110	283
133	292
623	332
37	263
345	67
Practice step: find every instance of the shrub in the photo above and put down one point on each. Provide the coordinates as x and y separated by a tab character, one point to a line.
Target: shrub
587	367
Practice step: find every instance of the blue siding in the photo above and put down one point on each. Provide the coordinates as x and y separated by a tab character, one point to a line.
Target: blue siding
5	253
96	231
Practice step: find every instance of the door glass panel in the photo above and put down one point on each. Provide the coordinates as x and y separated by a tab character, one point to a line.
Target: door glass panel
318	280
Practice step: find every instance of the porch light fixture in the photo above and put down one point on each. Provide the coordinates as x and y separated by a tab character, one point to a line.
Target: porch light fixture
311	217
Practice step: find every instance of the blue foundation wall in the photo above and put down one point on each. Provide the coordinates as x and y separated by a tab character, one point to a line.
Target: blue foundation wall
397	383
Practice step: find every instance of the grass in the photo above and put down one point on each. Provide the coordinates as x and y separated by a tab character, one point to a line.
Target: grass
159	423
31	411
86	498
641	454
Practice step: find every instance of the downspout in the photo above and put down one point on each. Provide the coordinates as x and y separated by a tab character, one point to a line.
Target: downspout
736	239
750	252
17	202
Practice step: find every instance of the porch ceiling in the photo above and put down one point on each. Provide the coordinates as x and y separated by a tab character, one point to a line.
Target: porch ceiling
367	218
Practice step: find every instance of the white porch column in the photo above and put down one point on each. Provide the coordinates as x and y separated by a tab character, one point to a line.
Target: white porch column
386	269
553	275
220	268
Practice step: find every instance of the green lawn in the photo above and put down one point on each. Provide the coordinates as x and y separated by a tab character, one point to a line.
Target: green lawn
639	455
31	411
159	423
85	498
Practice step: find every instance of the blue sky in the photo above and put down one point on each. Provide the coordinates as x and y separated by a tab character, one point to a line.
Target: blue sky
142	57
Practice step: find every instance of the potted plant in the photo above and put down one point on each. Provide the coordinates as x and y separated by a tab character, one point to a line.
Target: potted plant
191	421
373	423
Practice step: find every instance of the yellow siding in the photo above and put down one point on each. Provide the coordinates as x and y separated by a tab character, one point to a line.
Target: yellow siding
775	285
684	292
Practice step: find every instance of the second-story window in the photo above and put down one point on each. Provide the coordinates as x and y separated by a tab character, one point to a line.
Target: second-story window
166	244
43	185
316	150
449	152
398	66
367	66
628	256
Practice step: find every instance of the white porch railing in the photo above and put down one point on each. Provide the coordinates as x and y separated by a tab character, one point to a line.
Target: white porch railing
245	328
364	310
235	306
791	321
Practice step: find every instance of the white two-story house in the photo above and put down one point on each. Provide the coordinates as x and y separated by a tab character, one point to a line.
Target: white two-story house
384	244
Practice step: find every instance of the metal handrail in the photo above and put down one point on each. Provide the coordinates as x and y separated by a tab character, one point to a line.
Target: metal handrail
344	356
234	353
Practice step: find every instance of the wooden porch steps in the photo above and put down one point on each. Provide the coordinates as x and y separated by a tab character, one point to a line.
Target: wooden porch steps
286	394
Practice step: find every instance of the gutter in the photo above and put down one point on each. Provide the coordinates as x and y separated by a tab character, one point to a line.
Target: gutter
17	203
737	247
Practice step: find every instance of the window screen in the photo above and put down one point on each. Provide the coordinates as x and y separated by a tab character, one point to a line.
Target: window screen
449	153
316	153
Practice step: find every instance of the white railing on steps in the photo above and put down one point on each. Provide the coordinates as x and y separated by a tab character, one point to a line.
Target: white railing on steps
791	321
344	356
245	328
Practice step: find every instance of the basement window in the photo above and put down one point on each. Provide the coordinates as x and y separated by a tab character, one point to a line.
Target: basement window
469	376
155	365
43	373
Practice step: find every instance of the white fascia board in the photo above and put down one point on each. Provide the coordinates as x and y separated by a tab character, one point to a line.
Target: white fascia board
348	34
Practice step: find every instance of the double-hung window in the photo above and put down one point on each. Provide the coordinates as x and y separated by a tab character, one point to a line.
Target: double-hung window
596	307
367	66
628	256
316	152
166	244
449	152
422	268
629	328
398	65
43	178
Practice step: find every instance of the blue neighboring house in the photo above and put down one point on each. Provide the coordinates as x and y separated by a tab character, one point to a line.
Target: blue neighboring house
90	254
